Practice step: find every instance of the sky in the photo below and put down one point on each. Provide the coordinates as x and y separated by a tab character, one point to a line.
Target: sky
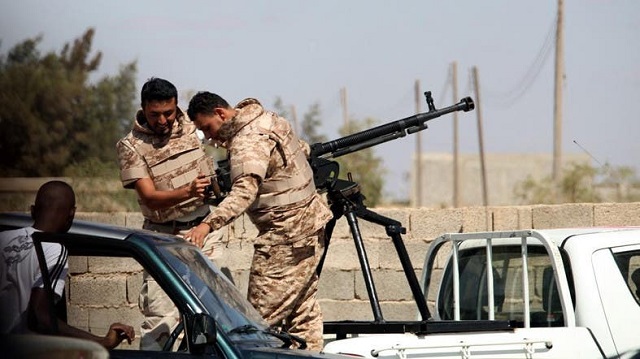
305	52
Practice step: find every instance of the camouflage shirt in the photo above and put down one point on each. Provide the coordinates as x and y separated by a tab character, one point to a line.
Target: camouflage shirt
271	176
171	161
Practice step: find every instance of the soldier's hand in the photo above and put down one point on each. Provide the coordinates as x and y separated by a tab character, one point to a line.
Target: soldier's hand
117	333
197	186
197	234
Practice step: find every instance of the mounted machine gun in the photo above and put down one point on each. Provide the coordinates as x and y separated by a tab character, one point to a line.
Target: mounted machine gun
346	200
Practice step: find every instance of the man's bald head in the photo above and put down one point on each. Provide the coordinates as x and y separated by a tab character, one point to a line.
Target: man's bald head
54	207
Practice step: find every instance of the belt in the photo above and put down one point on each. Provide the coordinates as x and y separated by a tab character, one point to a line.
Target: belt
180	224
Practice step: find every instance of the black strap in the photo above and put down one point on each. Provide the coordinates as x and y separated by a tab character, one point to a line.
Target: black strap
44	272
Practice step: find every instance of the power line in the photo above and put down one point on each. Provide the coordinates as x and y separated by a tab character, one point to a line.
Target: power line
508	98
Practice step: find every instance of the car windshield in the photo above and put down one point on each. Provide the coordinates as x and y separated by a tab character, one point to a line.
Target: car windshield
218	294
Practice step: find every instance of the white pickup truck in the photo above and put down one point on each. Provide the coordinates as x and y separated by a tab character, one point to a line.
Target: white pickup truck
581	298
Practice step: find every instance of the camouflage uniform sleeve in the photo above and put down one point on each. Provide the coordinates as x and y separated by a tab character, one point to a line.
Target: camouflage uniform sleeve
132	165
249	155
305	147
242	195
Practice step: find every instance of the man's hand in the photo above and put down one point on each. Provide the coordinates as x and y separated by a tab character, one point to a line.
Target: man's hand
197	186
197	234
117	333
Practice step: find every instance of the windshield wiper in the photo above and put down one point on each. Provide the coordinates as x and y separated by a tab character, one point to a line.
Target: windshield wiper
244	329
285	337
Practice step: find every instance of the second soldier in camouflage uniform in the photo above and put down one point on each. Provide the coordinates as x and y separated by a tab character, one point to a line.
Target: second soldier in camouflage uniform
273	183
163	159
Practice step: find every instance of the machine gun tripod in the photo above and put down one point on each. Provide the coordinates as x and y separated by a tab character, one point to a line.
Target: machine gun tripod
346	200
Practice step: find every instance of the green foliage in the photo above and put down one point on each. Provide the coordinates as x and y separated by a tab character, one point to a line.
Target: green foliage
311	121
364	166
582	183
54	121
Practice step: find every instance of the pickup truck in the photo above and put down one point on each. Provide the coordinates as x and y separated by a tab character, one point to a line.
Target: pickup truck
216	320
557	293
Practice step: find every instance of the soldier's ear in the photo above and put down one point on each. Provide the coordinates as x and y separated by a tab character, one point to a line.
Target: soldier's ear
220	112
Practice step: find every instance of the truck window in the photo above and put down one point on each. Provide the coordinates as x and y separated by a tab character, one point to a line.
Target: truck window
545	308
629	265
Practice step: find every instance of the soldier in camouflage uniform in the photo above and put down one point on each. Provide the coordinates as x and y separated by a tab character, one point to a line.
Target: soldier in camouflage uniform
163	159
273	183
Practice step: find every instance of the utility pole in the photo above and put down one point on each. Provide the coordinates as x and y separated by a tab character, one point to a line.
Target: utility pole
345	111
456	155
418	188
557	107
483	169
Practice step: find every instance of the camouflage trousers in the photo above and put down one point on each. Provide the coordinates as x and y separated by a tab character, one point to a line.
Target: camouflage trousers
283	285
160	314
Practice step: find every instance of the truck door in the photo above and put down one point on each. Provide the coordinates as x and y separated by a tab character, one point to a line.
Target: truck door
617	273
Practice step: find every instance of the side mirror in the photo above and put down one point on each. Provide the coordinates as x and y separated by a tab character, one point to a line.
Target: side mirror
203	333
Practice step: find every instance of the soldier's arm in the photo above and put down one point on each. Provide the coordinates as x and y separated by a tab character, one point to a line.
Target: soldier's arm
244	192
156	199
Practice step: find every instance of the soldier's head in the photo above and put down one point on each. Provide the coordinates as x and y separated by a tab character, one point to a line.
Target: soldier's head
208	112
159	101
54	208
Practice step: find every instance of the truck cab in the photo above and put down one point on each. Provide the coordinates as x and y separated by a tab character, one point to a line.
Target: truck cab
565	292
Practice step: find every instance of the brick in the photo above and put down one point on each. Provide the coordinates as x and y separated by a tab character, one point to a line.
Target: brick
617	214
78	264
134	220
525	217
342	254
336	284
564	215
505	218
416	249
404	310
389	285
101	318
102	290
134	285
104	265
337	310
78	316
430	223
476	219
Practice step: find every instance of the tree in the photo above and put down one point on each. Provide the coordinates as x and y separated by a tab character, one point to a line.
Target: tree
311	121
582	183
54	121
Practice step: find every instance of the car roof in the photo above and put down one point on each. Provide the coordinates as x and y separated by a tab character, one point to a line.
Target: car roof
19	220
559	237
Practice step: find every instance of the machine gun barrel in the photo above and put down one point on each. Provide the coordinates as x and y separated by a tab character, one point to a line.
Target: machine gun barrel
386	132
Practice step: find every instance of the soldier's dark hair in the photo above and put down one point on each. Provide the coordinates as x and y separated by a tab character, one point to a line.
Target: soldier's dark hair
204	103
157	89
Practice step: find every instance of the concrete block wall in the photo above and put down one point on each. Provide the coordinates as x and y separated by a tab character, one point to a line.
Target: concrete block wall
342	293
